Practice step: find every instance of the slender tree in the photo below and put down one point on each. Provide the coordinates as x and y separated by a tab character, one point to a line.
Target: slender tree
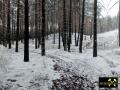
26	33
17	31
95	30
64	26
82	27
36	25
79	23
8	25
59	29
75	28
43	29
3	22
53	23
70	25
119	23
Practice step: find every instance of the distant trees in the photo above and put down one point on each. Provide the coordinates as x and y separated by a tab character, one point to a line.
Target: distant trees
64	19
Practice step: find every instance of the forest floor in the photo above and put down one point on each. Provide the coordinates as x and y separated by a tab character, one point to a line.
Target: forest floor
60	70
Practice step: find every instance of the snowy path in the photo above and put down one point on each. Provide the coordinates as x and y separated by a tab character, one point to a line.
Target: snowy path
39	73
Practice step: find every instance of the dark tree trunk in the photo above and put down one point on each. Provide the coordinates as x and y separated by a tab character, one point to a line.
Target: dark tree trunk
79	25
8	26
3	21
119	23
12	31
39	24
82	27
75	30
70	25
43	29
78	32
54	24
64	26
36	25
17	31
26	33
59	29
95	30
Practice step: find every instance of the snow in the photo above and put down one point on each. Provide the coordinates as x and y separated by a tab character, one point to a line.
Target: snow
39	73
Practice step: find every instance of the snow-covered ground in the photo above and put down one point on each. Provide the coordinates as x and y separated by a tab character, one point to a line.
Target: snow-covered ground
41	72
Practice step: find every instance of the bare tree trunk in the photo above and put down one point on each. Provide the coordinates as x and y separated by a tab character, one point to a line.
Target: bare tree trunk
64	26
119	23
70	25
82	27
26	33
43	29
95	30
36	24
75	29
17	31
54	24
8	26
59	29
3	22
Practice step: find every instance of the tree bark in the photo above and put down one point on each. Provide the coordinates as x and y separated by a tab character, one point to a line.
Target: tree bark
8	26
70	25
64	27
43	29
17	31
26	33
95	30
82	27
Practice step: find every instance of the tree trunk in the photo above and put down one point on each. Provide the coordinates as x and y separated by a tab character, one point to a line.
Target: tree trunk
17	31
82	27
43	29
8	26
26	33
75	30
64	26
70	25
95	30
119	23
36	25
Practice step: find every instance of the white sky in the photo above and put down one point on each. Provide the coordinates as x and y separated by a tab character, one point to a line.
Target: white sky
108	4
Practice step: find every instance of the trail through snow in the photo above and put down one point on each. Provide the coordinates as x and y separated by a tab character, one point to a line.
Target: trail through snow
39	73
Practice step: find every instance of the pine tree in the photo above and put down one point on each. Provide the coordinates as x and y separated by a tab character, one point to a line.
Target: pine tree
3	22
26	33
95	30
43	29
8	26
79	24
70	25
64	26
36	24
119	23
75	29
17	31
82	27
59	29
